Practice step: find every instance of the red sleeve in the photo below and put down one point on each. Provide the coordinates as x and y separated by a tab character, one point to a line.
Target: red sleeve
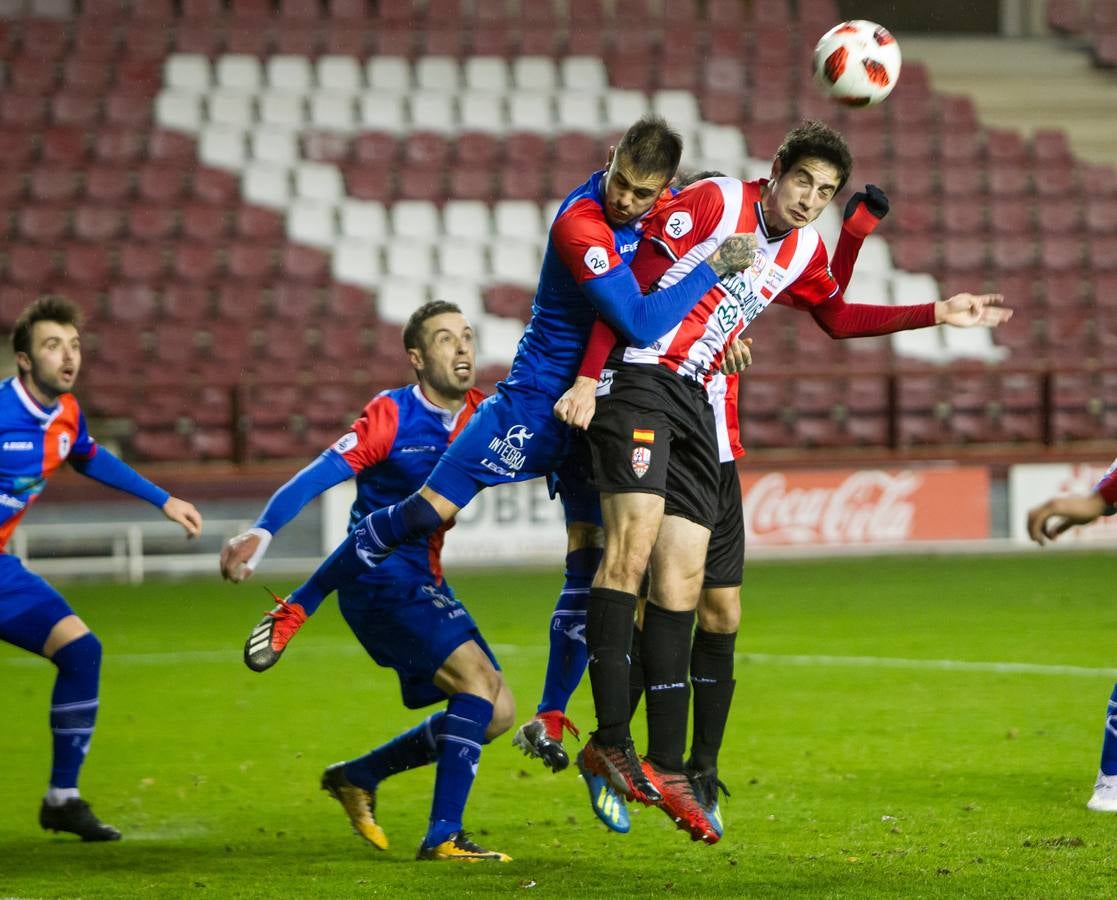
370	439
845	255
601	342
845	320
584	241
686	220
815	285
1107	487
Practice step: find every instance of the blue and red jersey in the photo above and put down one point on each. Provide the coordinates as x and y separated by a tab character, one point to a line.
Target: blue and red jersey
390	450
34	442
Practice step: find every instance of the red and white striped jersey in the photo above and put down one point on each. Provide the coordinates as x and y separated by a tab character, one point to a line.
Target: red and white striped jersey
722	392
687	229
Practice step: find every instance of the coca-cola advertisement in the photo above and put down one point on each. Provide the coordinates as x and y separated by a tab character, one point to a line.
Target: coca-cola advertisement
838	507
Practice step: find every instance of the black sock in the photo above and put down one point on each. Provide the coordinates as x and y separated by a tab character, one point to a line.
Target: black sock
635	673
608	639
665	650
711	674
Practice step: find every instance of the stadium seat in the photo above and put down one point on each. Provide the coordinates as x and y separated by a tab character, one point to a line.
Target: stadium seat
349	303
151	223
289	73
415	219
462	259
87	264
379	110
97	223
305	264
466	219
52	184
367	183
274	144
135	303
515	262
285	109
399	298
240	71
251	262
312	222
188	72
222	147
296	303
186	303
409	258
356	261
197	262
43	224
179	111
267	185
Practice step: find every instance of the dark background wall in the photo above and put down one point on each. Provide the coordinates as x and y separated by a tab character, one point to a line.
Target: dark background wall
950	16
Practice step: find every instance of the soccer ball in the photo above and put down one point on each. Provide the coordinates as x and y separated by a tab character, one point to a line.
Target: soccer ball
857	63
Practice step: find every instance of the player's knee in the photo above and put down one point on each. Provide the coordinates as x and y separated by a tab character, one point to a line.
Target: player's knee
504	713
80	655
719	620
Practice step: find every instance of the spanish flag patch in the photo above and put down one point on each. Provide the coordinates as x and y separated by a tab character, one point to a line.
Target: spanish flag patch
643	435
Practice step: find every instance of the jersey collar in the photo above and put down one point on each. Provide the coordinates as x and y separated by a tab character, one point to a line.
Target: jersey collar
771	238
44	415
449	419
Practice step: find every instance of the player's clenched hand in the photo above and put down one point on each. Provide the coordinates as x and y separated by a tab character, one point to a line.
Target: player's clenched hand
577	406
735	254
184	514
967	310
738	356
237	556
1049	520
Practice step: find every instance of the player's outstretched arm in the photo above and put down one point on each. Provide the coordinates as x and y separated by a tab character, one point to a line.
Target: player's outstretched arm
1049	520
185	514
970	310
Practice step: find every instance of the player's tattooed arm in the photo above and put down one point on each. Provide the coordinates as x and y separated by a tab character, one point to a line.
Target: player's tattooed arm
734	255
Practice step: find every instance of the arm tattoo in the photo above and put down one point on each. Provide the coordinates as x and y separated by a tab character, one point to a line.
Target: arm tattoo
735	254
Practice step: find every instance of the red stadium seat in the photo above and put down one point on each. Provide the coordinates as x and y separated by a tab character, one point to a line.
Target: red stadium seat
1101	215
202	9
215	186
118	145
964	254
368	183
75	107
108	184
963	215
160	446
63	144
508	301
524	148
257	223
578	150
967	181
136	303
53	184
1010	179
186	303
327	147
251	262
128	108
142	262
43	224
422	184
376	148
152	223
448	40
171	146
89	264
474	148
303	11
304	40
13	186
295	303
915	253
197	262
1013	253
426	150
31	265
32	75
1062	289
347	302
342	39
157	183
1102	251
1061	253
22	110
305	264
141	77
203	222
97	223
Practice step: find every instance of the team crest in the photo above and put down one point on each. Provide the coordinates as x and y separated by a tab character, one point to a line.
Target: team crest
63	445
641	460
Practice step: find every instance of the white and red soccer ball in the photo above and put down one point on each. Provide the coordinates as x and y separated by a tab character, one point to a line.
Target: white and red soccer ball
857	63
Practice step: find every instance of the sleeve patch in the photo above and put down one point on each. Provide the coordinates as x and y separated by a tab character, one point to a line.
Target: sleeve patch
597	260
679	224
345	443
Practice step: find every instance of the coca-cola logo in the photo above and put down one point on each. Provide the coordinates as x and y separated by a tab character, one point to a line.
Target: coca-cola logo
866	507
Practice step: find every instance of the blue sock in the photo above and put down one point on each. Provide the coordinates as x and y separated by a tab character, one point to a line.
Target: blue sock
1109	742
409	750
73	707
368	545
567	660
459	752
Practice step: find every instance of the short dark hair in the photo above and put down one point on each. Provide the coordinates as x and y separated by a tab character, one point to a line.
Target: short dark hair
413	330
686	179
815	139
652	146
48	308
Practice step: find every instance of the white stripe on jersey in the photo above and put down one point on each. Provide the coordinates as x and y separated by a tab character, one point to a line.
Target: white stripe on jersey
715	393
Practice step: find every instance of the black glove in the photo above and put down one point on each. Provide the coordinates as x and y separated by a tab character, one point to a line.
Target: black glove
875	200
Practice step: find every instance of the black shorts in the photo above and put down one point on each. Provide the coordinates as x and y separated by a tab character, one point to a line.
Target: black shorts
653	433
725	557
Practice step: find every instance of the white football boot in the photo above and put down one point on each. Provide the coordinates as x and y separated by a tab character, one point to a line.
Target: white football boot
1105	794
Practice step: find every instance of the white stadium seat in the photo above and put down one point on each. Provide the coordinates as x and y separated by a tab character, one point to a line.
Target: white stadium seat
332	111
340	73
868	287
925	344
222	147
518	219
579	111
409	258
398	298
531	111
231	106
584	73
972	343
381	111
437	73
187	72
274	144
267	184
388	73
468	219
432	110
487	73
680	108
357	261
416	219
497	339
875	255
319	181
239	70
51	9
515	262
364	219
482	111
290	73
283	108
623	107
466	294
462	259
550	210
720	142
534	73
312	222
179	111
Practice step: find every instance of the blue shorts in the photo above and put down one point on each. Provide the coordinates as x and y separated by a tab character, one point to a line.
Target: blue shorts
514	436
29	607
411	626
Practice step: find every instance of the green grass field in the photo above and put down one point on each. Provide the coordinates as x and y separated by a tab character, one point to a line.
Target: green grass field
875	749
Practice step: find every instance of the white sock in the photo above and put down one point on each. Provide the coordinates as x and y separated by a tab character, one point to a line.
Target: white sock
57	796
